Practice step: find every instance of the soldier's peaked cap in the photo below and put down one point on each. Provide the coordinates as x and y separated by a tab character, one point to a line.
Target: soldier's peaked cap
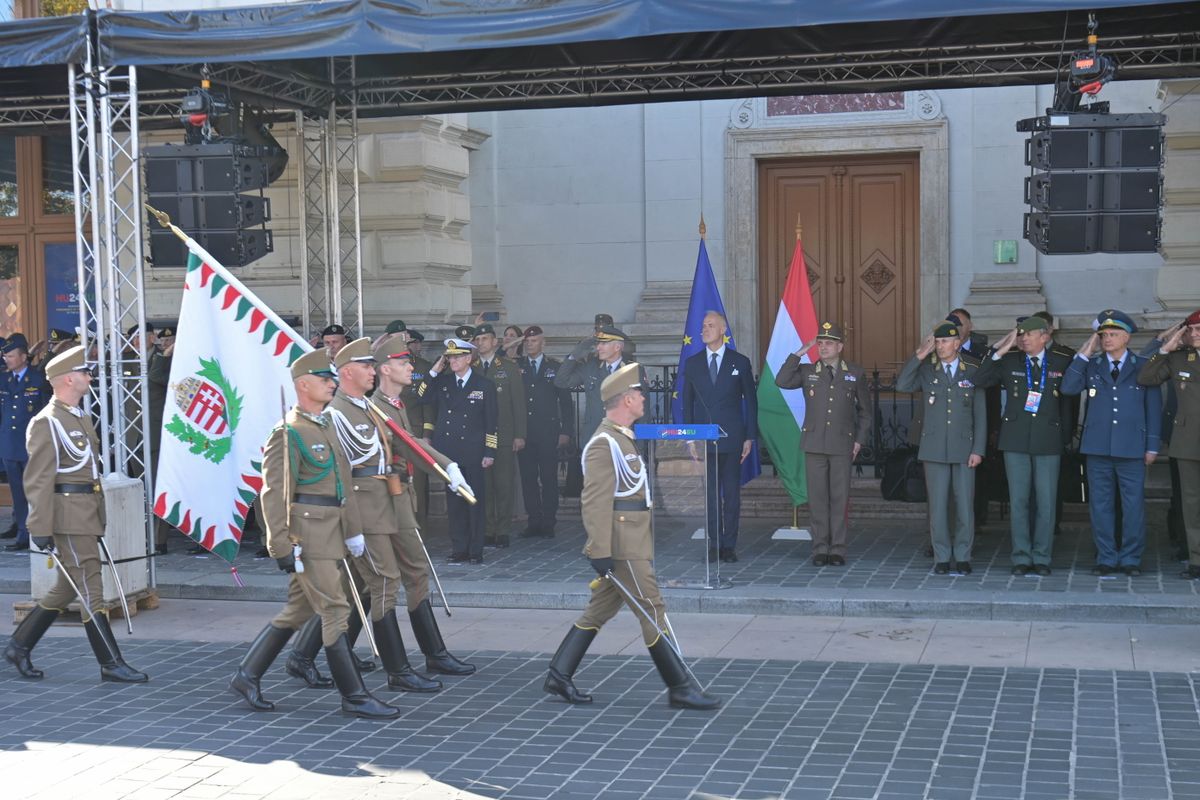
827	330
358	350
69	360
626	378
459	347
1112	318
314	363
392	349
610	333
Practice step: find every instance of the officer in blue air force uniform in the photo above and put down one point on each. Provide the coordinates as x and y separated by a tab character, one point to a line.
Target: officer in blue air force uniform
1120	439
23	392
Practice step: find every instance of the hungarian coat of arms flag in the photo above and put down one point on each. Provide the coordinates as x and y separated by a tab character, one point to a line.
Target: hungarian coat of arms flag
231	360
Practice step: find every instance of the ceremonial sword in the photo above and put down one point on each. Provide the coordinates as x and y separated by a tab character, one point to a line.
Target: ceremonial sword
634	602
78	593
117	580
361	613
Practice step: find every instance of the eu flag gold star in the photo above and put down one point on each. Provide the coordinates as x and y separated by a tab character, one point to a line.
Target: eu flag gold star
687	339
725	338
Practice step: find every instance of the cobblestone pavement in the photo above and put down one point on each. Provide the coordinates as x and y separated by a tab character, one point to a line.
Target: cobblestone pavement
802	730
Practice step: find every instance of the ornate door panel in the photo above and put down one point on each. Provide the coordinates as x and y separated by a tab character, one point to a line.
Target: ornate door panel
860	232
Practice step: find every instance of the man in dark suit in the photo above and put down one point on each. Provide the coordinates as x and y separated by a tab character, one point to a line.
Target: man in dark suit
551	418
465	415
718	389
23	392
1121	433
973	343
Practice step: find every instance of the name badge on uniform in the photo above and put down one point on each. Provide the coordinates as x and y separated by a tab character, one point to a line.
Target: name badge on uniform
475	395
1032	401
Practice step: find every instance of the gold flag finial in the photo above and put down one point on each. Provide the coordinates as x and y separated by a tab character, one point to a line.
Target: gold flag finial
165	220
703	227
798	227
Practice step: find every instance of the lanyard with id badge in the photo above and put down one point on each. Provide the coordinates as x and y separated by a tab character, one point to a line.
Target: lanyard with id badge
1033	399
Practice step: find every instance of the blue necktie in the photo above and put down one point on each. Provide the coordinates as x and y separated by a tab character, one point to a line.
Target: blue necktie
712	369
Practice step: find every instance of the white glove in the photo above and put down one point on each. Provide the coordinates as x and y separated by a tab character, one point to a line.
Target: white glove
357	545
457	479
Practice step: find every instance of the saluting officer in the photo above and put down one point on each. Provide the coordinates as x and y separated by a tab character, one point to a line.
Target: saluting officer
367	447
1178	361
310	512
615	505
1033	433
395	372
511	415
464	405
549	426
66	513
949	451
23	393
580	371
837	422
1120	439
334	337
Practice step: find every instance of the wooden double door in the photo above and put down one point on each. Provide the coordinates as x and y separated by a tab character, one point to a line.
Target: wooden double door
860	221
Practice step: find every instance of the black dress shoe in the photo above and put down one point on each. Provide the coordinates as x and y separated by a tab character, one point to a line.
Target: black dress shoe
1132	570
963	567
1191	573
941	568
17	547
1042	569
837	561
1102	570
820	560
11	533
457	558
1020	569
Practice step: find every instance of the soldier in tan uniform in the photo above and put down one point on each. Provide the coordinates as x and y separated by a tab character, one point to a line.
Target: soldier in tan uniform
1178	361
837	422
66	513
615	505
312	521
500	481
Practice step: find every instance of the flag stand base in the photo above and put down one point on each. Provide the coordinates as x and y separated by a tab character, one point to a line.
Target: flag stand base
792	535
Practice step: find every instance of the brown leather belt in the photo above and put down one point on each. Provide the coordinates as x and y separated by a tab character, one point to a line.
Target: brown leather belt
629	505
76	488
370	472
316	500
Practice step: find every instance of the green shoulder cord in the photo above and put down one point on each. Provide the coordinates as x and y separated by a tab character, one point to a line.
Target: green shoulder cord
321	470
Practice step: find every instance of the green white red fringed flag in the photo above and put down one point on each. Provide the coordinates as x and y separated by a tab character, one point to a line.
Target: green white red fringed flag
232	357
781	411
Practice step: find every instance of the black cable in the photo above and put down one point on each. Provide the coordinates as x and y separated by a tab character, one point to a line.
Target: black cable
1062	51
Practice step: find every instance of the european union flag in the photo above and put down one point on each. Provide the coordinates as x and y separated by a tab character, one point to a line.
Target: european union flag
705	297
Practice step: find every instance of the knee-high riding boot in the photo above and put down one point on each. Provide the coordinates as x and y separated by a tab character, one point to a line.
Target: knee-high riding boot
356	699
429	638
302	661
401	675
112	667
682	690
258	658
565	662
28	634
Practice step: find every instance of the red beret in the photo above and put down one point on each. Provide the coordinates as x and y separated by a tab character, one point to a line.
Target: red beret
1194	319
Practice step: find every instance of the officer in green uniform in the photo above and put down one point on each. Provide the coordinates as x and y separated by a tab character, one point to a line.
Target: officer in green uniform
309	509
837	422
950	451
1178	361
510	440
1033	434
593	360
66	514
615	506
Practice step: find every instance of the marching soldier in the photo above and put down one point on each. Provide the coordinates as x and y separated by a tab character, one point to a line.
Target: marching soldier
66	513
368	451
616	512
548	429
463	404
580	371
952	451
23	393
312	519
396	372
511	414
1033	434
837	422
1120	439
1177	361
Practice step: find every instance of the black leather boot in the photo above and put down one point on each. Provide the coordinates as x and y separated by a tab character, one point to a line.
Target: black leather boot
112	667
564	664
356	699
262	653
429	639
27	634
302	661
682	690
353	629
401	675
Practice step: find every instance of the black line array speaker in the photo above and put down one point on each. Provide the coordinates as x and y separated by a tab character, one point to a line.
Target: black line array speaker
203	188
1095	184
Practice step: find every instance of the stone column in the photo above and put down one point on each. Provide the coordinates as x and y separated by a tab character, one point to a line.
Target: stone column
1178	284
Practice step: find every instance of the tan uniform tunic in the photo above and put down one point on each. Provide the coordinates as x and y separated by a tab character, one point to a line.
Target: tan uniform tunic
619	528
321	530
407	551
75	520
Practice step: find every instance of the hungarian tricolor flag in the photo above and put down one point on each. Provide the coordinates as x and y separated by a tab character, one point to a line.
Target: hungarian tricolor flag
232	357
781	411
